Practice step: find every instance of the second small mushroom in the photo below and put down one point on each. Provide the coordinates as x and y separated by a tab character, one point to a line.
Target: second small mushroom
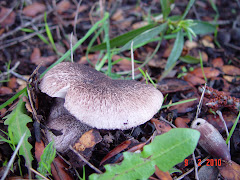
99	101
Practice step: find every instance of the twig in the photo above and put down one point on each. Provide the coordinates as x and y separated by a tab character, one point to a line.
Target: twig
11	71
195	166
225	126
39	174
9	12
162	119
13	157
86	161
200	102
192	169
76	17
3	36
23	38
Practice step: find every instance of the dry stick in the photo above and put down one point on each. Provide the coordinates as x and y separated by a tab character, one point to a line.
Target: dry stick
195	166
167	122
11	71
86	161
132	59
3	36
9	12
23	38
39	174
191	170
75	18
13	157
200	102
225	126
197	113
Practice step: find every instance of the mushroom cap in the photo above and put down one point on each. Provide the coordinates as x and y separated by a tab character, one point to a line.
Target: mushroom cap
99	101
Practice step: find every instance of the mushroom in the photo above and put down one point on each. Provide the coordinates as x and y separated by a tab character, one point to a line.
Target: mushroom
67	131
99	101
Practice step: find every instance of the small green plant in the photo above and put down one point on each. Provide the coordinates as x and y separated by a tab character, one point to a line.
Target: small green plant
47	158
165	151
17	125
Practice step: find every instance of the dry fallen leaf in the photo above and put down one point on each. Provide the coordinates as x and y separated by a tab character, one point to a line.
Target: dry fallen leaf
218	62
208	71
231	70
161	126
7	19
5	90
194	80
12	83
173	85
63	6
116	150
230	170
88	140
34	9
162	175
182	122
185	107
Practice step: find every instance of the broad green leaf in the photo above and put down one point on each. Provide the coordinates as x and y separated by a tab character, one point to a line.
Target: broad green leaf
202	27
17	126
189	59
123	39
176	51
172	147
165	151
47	158
191	2
166	7
145	36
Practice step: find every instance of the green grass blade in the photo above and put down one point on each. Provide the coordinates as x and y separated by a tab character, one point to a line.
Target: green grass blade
145	36
9	101
233	128
123	39
49	34
67	54
177	103
191	2
107	40
176	51
166	7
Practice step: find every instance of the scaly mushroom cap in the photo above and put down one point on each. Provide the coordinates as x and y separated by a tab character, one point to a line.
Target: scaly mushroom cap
99	101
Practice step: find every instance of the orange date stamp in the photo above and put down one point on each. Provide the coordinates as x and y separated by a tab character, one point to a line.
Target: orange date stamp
209	162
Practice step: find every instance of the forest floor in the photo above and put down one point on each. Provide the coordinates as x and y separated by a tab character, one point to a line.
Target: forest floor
34	33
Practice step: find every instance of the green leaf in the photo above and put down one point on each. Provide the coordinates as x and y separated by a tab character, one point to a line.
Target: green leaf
47	158
17	126
145	36
189	59
176	51
123	39
191	2
49	34
165	151
202	27
166	7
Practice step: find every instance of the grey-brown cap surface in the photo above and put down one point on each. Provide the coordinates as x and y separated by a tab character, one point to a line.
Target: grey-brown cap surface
70	128
99	101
